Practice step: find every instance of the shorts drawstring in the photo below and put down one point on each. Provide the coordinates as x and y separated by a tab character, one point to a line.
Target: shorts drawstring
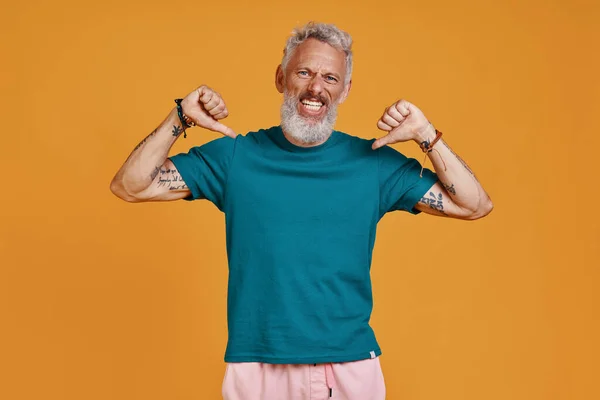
329	378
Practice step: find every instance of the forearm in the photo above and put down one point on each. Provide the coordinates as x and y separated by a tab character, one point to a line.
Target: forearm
144	162
457	178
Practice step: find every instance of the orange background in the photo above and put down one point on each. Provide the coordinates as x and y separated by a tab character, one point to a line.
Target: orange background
101	299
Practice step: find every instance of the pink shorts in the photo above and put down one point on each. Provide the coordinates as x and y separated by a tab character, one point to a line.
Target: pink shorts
356	380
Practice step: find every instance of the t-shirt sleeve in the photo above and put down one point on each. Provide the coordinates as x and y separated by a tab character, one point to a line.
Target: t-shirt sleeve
205	169
400	183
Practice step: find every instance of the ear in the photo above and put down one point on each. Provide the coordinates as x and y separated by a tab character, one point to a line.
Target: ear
345	92
279	78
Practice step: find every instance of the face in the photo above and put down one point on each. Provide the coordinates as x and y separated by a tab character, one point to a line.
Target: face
313	86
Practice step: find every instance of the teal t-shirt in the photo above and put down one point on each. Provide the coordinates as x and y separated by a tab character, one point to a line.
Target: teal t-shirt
300	224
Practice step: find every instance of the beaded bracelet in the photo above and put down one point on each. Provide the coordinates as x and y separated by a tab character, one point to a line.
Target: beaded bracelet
186	122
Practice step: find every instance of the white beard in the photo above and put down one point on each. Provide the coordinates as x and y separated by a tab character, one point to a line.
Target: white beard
303	129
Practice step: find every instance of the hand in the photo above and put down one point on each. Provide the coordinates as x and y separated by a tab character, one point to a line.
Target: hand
404	121
205	108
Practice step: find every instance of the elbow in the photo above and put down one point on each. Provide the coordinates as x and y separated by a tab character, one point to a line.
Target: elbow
483	210
119	190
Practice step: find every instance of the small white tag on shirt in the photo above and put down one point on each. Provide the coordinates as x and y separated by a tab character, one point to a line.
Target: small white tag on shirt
373	354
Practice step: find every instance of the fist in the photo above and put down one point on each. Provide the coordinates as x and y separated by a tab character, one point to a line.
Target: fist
404	121
205	108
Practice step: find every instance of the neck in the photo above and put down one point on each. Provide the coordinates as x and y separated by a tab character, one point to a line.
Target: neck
299	143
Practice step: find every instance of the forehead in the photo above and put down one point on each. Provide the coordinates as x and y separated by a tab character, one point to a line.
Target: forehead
316	54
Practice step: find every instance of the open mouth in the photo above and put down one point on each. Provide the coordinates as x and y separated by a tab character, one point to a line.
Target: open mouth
312	105
313	108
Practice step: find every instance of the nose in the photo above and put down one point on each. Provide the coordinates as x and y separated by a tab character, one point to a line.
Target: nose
316	85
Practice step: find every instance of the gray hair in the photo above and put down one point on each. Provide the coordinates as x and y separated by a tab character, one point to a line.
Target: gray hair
326	33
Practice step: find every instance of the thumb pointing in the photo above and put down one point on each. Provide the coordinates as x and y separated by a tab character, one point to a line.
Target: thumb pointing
381	142
219	127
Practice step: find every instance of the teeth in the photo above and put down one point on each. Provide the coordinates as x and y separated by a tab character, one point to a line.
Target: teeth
309	103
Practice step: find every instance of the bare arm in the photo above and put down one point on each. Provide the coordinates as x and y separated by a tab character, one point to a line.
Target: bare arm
139	179
458	193
147	174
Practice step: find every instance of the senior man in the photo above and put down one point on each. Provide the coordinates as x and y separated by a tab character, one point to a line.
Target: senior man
301	203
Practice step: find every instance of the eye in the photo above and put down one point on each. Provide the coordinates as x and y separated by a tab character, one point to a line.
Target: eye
331	78
303	73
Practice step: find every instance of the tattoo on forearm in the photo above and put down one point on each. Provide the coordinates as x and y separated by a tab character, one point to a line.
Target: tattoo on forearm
144	141
177	130
171	179
461	160
449	188
141	143
434	202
